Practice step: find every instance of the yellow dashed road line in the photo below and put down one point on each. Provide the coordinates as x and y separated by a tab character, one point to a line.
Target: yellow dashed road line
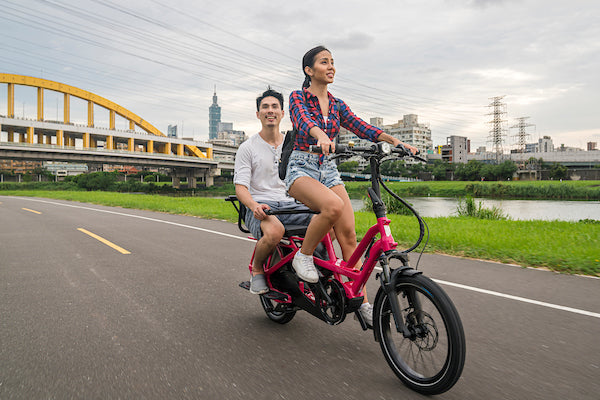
33	211
106	242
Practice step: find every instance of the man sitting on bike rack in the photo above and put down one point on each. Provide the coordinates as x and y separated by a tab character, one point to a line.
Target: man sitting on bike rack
258	187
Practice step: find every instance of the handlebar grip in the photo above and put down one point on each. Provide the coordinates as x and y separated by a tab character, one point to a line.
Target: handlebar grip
403	151
339	148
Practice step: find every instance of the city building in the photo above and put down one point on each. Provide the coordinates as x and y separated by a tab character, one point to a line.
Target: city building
229	138
345	137
172	131
568	148
531	147
19	166
214	117
545	145
225	127
410	131
64	168
591	146
456	149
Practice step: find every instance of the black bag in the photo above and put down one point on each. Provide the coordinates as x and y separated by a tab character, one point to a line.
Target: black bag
286	150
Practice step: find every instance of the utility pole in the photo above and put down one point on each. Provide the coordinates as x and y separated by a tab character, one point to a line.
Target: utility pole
522	135
498	132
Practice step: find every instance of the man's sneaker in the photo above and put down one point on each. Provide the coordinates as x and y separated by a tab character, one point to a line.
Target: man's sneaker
366	311
305	268
258	284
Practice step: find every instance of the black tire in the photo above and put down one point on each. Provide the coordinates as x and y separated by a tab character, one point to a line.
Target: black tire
279	316
429	362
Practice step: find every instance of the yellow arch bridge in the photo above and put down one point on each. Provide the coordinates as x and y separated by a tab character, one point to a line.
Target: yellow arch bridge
56	139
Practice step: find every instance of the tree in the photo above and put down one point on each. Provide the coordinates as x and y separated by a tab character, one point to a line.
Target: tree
393	168
348	166
488	172
96	180
439	169
415	168
506	170
558	171
469	171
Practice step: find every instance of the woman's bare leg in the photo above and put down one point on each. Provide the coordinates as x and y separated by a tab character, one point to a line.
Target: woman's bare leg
344	227
317	197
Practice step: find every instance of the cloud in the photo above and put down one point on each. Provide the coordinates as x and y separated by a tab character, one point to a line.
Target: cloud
505	74
352	41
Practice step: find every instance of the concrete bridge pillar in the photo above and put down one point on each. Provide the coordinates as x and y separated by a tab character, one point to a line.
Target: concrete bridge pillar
176	182
209	180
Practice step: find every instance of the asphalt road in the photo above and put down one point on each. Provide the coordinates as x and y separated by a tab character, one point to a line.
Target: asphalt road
80	319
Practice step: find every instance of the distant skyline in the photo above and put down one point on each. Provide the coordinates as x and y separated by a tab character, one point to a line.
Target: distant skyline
443	60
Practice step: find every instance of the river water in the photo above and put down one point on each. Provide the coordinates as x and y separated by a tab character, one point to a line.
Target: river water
514	209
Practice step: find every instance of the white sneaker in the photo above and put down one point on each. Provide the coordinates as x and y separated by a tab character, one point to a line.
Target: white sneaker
366	311
305	268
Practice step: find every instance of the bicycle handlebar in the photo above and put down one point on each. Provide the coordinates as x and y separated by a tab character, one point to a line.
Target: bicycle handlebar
374	150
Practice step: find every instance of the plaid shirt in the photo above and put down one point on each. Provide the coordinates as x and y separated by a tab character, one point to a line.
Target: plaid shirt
305	113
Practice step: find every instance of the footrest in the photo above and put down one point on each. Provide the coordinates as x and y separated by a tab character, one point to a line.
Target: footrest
273	295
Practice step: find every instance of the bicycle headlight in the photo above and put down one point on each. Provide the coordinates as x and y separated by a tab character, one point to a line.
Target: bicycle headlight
386	148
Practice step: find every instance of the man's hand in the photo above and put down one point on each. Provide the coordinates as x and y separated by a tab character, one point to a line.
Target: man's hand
259	211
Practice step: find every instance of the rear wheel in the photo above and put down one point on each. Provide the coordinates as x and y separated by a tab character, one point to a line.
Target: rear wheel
277	312
431	359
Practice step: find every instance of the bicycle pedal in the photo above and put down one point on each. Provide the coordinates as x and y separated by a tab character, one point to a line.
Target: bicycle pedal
245	285
363	324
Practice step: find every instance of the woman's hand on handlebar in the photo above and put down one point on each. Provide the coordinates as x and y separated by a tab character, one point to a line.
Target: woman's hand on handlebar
326	145
323	141
412	149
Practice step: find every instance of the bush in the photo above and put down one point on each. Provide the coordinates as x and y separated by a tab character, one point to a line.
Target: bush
65	185
467	207
97	181
392	205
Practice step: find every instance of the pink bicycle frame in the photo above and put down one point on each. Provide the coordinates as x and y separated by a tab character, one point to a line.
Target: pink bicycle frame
340	268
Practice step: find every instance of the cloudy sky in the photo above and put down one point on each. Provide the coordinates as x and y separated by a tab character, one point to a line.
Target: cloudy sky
444	60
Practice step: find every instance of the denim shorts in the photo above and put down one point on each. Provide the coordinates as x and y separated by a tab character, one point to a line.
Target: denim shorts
307	164
302	219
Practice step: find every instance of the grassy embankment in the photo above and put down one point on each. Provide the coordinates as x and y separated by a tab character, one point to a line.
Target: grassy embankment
540	190
570	247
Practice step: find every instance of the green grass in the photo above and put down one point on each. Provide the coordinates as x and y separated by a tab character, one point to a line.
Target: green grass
566	190
196	206
568	247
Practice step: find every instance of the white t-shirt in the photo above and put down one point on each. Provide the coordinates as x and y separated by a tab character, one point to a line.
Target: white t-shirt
256	167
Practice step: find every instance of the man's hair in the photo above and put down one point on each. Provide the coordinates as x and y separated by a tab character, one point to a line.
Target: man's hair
269	93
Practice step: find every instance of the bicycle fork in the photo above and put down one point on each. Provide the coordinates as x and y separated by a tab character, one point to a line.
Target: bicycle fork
388	285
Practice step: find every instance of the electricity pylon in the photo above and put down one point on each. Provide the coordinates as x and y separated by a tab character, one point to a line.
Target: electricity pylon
498	132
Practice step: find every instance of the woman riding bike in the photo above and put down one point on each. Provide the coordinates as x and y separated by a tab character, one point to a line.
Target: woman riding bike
312	178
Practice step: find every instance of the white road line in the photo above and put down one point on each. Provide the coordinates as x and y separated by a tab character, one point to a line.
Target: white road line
511	297
144	218
517	298
458	285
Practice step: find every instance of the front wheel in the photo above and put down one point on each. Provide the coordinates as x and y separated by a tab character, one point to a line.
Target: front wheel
431	359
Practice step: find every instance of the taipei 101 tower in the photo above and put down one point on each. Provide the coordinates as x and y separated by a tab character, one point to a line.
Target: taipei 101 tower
214	117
